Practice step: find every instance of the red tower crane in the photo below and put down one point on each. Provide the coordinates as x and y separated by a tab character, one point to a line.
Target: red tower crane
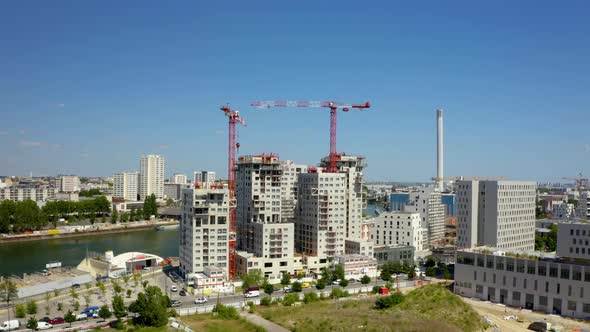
332	105
234	117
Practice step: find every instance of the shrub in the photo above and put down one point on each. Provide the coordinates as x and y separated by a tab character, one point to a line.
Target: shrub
297	286
321	284
365	280
289	299
31	307
375	289
226	312
343	283
338	293
250	303
389	301
389	286
310	297
20	310
266	301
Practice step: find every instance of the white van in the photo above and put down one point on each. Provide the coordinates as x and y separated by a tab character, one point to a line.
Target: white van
10	325
253	293
43	326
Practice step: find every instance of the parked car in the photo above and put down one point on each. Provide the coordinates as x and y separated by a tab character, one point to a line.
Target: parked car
176	303
57	320
43	326
540	326
10	325
182	293
174	289
330	283
287	289
81	316
76	286
305	285
45	319
200	300
254	293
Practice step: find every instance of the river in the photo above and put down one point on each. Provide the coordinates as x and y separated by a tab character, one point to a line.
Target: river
27	257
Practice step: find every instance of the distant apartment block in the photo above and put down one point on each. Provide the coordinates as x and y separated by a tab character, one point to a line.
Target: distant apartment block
203	177
178	178
39	193
151	176
289	188
67	183
583	209
562	210
173	191
496	213
400	228
125	185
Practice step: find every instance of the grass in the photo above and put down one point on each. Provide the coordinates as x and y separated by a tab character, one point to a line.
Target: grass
428	308
208	323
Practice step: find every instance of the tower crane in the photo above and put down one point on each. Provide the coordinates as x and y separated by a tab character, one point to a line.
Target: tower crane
332	105
234	117
580	182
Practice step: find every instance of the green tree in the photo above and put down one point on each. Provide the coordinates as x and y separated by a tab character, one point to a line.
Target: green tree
7	208
145	283
20	310
104	312
365	279
32	323
76	305
430	262
285	279
343	283
32	307
8	293
430	272
119	309
411	274
339	271
124	217
26	216
169	202
268	288
69	317
92	217
132	214
321	284
252	278
129	293
114	216
385	275
446	273
297	286
326	275
150	206
151	306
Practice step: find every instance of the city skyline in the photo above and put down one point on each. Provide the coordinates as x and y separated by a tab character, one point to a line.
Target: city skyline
97	103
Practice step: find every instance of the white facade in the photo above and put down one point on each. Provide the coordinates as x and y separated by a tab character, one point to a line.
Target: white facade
562	210
359	247
204	231
264	241
357	266
573	241
289	193
496	213
178	178
204	177
125	185
67	183
400	228
18	193
320	225
151	176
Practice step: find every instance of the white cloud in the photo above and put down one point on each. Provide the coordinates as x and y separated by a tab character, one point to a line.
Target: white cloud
30	144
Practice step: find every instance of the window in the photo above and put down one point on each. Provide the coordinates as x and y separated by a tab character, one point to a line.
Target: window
571	305
474	275
586	308
553	271
535	287
542	270
565	273
542	300
509	265
530	268
499	264
520	267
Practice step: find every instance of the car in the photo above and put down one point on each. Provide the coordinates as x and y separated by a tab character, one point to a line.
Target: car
76	286
287	289
43	326
174	289
330	283
253	293
182	293
57	320
81	316
176	303
45	319
352	280
276	289
200	300
305	285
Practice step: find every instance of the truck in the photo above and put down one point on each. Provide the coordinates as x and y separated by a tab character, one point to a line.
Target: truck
10	325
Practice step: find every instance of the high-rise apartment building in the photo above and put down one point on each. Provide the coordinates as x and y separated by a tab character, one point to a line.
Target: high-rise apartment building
400	228
125	185
178	178
321	214
583	208
289	188
67	183
151	176
204	231
264	241
203	177
496	213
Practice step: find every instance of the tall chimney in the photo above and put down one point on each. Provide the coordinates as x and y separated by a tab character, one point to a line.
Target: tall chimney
439	149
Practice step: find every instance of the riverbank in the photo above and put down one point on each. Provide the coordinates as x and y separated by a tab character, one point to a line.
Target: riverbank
97	229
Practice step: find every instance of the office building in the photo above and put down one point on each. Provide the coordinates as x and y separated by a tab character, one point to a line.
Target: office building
204	232
178	178
496	213
173	190
264	241
573	241
151	176
400	228
67	183
396	253
125	185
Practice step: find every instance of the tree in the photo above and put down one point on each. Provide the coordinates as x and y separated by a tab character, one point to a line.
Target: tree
297	286
8	293
169	202
104	312
285	279
92	217
69	317
124	217
321	284
446	273
268	288
385	275
365	279
32	323
119	309
252	278
430	272
86	300
151	306
20	310
150	206
114	216
343	283
7	208
26	216
338	272
129	293
145	283
430	262
103	218
411	274
32	307
132	214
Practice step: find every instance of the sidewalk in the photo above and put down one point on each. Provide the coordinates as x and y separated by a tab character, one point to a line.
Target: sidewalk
268	325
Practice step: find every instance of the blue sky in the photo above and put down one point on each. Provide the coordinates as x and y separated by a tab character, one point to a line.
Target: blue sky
86	87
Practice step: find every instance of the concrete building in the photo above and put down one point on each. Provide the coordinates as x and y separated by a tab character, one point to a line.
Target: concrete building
449	201
289	189
394	253
359	247
321	214
178	178
352	167
562	210
204	231
496	213
400	228
151	176
427	201
264	241
583	209
357	266
573	241
67	183
125	185
173	190
203	177
37	193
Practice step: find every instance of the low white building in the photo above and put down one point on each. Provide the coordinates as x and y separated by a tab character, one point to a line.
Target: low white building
357	266
211	279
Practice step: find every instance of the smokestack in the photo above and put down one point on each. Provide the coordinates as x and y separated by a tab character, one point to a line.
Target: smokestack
439	149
